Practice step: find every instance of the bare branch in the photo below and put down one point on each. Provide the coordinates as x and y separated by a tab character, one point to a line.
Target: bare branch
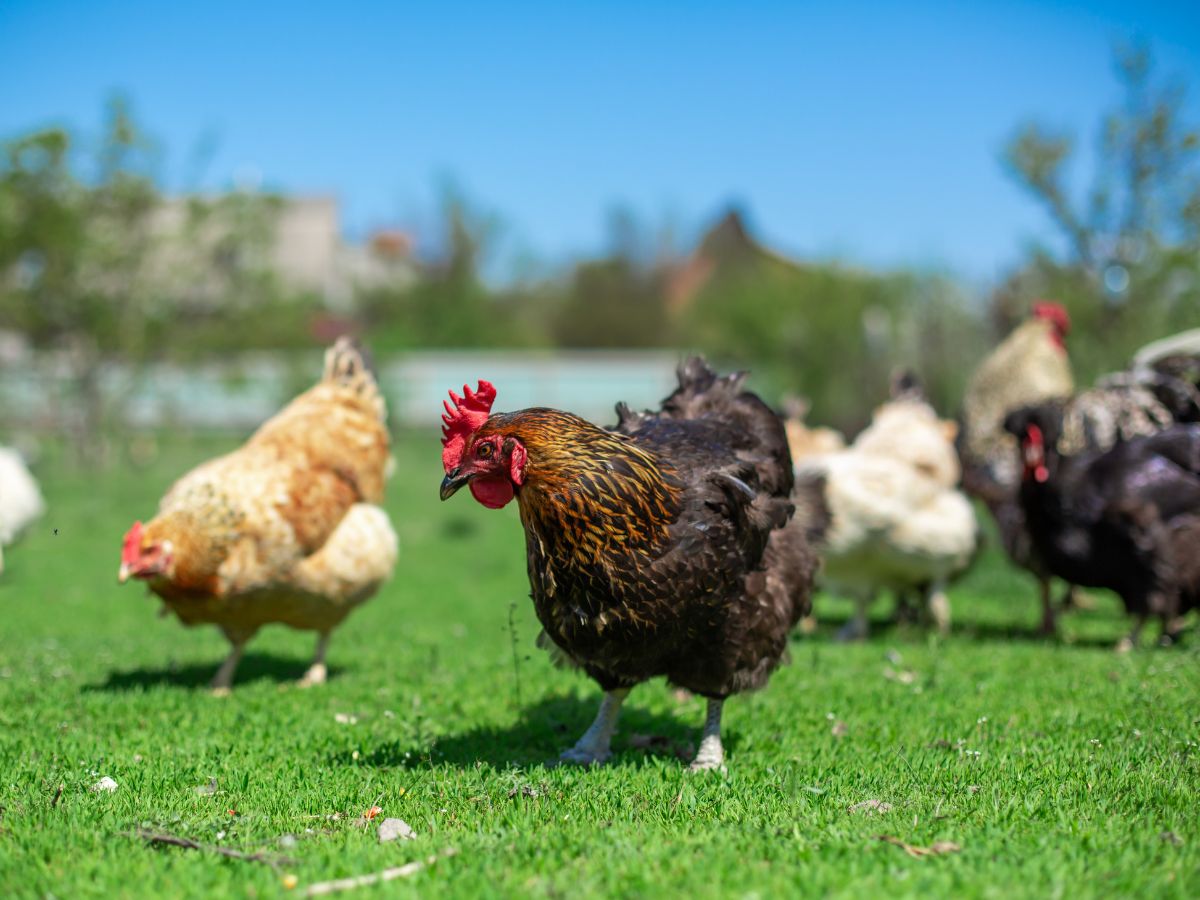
173	840
348	884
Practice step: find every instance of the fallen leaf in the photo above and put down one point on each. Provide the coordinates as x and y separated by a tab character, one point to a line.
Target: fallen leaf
392	829
939	849
289	881
904	676
840	729
1171	837
372	813
207	790
870	807
104	786
345	719
524	791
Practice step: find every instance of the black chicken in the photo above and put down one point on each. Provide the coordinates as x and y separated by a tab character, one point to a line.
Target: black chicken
1126	518
675	544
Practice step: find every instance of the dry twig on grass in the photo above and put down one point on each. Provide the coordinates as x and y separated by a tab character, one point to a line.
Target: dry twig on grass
153	837
938	849
348	884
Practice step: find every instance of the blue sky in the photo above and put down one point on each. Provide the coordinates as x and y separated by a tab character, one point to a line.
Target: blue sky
869	132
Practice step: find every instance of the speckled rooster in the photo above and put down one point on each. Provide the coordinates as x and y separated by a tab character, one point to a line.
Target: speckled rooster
286	529
675	544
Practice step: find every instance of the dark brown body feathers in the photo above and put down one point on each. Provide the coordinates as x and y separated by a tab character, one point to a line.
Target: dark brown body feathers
676	544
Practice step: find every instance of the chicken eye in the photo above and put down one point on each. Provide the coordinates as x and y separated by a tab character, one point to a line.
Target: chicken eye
485	451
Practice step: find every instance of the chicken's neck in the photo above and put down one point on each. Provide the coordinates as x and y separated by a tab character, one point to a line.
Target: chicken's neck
198	547
598	500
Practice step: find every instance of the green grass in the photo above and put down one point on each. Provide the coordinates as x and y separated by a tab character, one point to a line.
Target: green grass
1060	769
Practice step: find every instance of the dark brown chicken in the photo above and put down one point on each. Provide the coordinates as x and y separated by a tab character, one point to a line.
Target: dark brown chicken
676	544
1125	518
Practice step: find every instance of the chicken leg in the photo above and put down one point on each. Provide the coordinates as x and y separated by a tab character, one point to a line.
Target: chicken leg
857	628
1049	626
711	754
222	682
1130	641
593	748
317	673
938	605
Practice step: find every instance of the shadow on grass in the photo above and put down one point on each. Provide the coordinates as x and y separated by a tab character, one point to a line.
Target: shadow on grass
545	729
254	667
892	628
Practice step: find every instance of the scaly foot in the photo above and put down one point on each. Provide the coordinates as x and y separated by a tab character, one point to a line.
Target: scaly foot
583	756
854	630
711	755
316	674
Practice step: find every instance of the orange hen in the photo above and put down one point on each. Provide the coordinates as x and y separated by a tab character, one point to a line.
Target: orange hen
287	529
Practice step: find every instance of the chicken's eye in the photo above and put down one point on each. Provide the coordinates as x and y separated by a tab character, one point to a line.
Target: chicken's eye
485	451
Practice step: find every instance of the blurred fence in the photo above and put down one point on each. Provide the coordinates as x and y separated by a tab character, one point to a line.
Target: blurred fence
241	393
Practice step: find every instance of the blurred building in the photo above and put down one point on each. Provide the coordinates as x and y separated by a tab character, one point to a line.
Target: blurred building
306	248
727	245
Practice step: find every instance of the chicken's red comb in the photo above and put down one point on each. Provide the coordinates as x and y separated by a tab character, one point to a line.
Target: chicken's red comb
131	548
1054	312
462	418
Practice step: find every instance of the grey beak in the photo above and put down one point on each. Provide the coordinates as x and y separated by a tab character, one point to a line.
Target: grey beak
451	483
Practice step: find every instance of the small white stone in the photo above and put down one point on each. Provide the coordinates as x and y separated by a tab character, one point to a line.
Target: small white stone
391	829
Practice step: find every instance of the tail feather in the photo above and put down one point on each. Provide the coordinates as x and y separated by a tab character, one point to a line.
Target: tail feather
759	434
349	366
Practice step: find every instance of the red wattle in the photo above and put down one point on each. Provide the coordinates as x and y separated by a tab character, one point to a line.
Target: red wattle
492	491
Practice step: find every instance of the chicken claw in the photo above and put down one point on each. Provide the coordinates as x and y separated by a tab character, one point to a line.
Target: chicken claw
593	748
711	755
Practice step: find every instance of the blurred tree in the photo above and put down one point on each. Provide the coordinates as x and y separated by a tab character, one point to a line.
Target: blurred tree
450	305
89	271
831	333
1131	270
618	300
612	303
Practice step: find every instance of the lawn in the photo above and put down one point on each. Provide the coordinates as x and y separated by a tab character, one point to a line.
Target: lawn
1056	768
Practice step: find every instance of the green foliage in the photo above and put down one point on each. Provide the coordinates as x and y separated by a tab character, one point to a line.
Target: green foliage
1059	769
612	303
1131	272
96	268
835	334
75	248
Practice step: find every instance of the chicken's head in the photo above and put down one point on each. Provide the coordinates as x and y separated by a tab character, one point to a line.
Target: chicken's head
144	557
492	463
1056	314
1037	429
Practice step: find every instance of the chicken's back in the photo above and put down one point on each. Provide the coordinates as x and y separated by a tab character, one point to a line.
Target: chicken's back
247	519
731	450
1028	367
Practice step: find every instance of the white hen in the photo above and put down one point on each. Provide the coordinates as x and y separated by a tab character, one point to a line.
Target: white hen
898	523
20	500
